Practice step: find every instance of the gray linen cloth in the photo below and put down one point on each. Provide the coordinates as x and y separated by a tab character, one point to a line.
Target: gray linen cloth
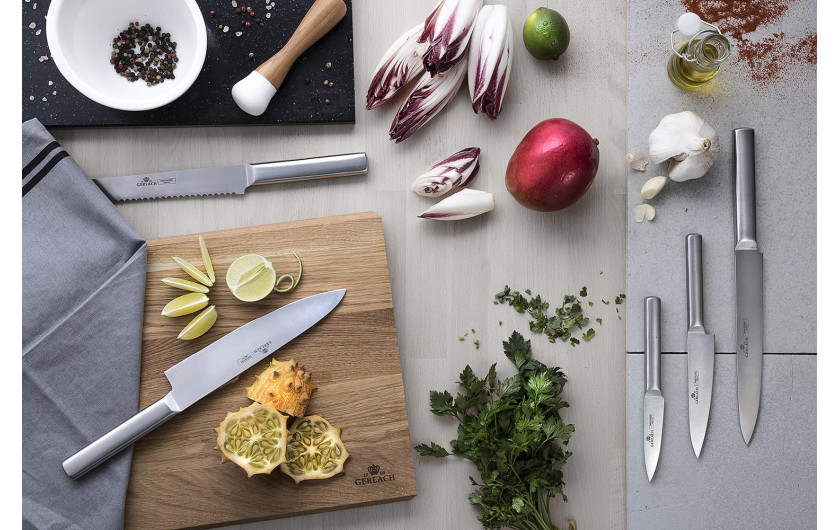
84	276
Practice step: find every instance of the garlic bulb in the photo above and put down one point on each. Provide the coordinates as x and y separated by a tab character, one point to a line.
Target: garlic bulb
688	141
462	205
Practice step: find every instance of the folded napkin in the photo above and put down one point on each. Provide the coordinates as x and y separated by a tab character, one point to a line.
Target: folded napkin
84	274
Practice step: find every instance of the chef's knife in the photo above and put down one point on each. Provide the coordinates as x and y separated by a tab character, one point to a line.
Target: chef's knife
208	369
230	179
654	405
749	281
700	346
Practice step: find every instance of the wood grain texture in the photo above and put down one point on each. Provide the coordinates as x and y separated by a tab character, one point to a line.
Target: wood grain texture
444	275
177	479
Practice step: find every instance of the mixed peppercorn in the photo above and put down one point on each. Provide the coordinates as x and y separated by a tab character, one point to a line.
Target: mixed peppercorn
144	53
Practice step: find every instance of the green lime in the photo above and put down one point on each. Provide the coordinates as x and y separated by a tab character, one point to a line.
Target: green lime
546	34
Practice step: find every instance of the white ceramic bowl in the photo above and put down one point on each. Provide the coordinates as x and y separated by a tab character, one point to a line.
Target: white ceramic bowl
80	34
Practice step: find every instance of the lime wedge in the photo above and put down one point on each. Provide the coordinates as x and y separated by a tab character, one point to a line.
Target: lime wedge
208	265
251	277
186	304
193	271
186	285
200	324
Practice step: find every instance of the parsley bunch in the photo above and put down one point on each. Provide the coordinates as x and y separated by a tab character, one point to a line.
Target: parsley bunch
513	433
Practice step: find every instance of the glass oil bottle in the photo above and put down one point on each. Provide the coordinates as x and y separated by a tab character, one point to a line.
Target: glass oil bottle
697	61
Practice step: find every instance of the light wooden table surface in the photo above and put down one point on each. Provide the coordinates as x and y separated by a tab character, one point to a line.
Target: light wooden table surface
444	275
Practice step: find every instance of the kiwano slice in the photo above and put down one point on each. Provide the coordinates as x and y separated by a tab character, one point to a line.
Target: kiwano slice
253	438
286	386
314	450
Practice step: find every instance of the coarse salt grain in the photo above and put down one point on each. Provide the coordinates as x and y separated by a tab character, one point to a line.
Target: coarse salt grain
43	58
50	83
32	26
31	98
225	29
44	98
53	92
38	32
233	3
268	8
268	15
238	33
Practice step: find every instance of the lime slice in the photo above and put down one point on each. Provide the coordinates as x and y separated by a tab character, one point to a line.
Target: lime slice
546	34
186	285
186	304
208	265
200	324
193	271
251	277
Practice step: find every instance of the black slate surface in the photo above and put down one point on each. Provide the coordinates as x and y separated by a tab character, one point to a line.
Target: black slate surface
301	99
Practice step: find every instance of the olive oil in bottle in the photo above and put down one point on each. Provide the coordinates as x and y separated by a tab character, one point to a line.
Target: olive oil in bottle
697	61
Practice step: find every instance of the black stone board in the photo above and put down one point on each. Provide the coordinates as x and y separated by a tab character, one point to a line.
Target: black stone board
301	98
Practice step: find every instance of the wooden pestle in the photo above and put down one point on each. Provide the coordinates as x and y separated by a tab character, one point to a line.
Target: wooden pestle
253	93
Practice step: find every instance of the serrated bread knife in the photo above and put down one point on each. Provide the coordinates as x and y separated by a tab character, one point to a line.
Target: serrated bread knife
230	179
749	282
208	369
700	346
654	404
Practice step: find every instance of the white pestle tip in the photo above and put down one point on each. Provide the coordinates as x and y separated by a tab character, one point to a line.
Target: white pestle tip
253	93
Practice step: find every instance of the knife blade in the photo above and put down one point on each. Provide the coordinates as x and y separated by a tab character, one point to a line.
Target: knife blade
749	282
700	346
229	179
208	369
654	403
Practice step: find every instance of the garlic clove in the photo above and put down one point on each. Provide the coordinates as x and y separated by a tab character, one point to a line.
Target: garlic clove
462	205
682	136
650	212
653	186
639	213
637	160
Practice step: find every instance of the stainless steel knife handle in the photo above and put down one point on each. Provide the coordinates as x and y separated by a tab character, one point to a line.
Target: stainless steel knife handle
652	345
308	169
694	280
745	226
120	437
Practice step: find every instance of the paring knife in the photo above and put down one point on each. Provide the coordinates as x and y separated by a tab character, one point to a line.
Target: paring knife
208	369
230	179
654	405
749	282
700	346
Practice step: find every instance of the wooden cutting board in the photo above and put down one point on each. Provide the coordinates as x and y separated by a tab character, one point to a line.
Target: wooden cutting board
177	478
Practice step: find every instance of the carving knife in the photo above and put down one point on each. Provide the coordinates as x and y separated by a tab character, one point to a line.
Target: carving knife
654	404
208	369
700	346
749	281
230	179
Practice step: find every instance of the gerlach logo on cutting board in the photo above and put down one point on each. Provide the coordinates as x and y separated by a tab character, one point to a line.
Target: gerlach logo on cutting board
374	475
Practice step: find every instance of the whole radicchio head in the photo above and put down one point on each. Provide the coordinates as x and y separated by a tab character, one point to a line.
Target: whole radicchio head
447	33
490	57
401	63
